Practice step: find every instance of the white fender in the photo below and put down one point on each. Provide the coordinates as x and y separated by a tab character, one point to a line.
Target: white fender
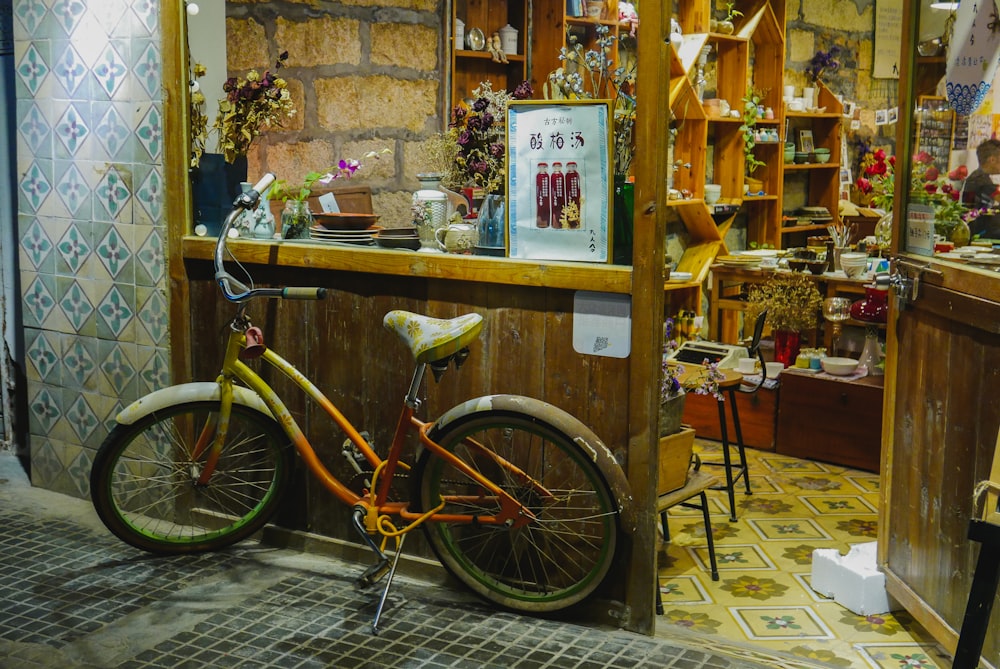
187	392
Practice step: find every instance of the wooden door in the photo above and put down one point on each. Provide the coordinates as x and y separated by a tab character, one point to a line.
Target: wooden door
941	416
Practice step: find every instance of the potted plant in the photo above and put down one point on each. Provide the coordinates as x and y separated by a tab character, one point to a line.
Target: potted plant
296	219
792	302
727	26
751	112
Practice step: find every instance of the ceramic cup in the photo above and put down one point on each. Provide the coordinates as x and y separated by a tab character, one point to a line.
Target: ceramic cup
773	369
746	365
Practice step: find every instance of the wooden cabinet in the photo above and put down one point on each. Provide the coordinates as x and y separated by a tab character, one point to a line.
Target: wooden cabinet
471	66
831	420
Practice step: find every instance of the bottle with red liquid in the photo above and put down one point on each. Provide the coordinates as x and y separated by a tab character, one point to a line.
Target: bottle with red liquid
573	192
543	196
558	189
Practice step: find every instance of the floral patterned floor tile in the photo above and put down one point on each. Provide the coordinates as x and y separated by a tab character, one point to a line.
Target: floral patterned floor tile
904	655
780	622
683	590
763	597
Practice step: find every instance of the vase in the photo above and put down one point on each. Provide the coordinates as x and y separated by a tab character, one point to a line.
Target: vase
433	211
786	346
491	225
624	203
874	308
671	412
296	220
960	234
883	234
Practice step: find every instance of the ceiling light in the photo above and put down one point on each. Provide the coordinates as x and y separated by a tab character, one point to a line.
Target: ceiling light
950	6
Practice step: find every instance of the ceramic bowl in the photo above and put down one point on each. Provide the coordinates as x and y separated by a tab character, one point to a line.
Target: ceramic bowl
853	264
822	155
839	366
332	221
816	266
801	157
797	264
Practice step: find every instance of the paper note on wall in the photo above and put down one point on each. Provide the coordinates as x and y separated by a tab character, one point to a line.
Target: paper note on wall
602	324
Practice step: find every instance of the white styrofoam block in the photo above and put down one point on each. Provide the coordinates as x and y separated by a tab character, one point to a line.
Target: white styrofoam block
852	580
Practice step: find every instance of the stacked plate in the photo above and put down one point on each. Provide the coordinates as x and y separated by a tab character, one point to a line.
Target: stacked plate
398	238
365	237
745	261
815	214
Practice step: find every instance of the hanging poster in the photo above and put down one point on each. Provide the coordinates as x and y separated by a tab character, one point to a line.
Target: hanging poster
972	56
558	180
888	28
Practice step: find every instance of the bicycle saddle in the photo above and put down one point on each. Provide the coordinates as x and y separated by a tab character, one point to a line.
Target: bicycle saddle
432	339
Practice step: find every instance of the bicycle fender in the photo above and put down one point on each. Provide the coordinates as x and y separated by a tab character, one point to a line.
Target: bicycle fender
565	422
201	391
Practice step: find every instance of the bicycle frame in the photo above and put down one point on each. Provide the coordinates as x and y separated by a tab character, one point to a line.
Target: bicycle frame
512	513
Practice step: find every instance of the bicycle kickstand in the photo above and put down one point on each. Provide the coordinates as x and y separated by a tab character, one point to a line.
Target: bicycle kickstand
388	583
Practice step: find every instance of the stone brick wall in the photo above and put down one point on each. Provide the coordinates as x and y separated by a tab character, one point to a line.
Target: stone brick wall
365	74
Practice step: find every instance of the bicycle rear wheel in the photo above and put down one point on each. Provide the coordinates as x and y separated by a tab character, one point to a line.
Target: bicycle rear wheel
144	483
553	562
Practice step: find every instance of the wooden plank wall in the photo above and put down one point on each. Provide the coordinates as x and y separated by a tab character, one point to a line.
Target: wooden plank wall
526	348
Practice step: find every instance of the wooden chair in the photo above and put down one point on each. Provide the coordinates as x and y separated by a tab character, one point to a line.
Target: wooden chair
696	485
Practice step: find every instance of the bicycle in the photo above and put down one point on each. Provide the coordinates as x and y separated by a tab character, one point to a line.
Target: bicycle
518	499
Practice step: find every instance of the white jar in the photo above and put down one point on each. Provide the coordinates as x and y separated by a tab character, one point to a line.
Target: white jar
508	39
459	34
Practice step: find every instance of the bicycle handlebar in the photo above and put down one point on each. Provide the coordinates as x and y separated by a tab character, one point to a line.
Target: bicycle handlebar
235	290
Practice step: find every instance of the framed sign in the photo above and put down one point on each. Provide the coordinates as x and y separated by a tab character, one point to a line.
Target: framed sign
559	186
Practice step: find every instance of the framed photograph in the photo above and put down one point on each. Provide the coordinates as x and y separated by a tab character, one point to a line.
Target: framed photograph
559	181
806	141
845	176
881	116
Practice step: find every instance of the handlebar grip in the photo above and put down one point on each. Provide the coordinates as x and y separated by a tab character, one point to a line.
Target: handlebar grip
299	293
264	183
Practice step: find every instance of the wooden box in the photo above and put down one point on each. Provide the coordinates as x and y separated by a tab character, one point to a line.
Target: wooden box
831	420
758	412
675	458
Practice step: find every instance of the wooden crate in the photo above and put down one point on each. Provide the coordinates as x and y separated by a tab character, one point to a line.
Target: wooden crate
758	414
674	458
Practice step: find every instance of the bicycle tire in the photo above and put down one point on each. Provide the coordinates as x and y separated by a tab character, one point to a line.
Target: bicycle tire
549	564
143	481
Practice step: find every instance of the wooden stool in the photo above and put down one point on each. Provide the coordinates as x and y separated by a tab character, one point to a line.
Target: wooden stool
697	484
727	386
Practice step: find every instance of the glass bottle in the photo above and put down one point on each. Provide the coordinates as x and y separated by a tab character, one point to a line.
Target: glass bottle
573	192
543	196
558	189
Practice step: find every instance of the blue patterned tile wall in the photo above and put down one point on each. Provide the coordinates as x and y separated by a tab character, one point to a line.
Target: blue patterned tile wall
91	233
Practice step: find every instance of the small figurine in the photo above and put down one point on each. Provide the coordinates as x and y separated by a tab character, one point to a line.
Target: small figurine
628	14
494	45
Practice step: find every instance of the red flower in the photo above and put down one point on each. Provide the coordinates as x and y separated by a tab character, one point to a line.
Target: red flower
931	174
864	185
959	173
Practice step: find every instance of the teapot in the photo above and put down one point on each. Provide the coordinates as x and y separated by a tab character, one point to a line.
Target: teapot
457	236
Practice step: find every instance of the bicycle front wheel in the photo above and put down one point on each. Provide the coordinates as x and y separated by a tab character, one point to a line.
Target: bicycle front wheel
556	560
145	480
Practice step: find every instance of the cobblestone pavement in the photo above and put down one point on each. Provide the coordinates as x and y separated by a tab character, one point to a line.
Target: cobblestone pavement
73	597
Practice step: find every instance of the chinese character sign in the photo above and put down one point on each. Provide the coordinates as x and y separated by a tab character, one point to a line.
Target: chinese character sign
972	55
558	187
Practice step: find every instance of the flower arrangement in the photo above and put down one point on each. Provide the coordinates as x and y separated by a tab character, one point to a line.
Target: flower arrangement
478	130
344	169
252	104
877	178
603	81
791	299
823	61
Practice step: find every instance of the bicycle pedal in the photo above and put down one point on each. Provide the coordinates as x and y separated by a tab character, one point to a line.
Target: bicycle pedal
373	574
